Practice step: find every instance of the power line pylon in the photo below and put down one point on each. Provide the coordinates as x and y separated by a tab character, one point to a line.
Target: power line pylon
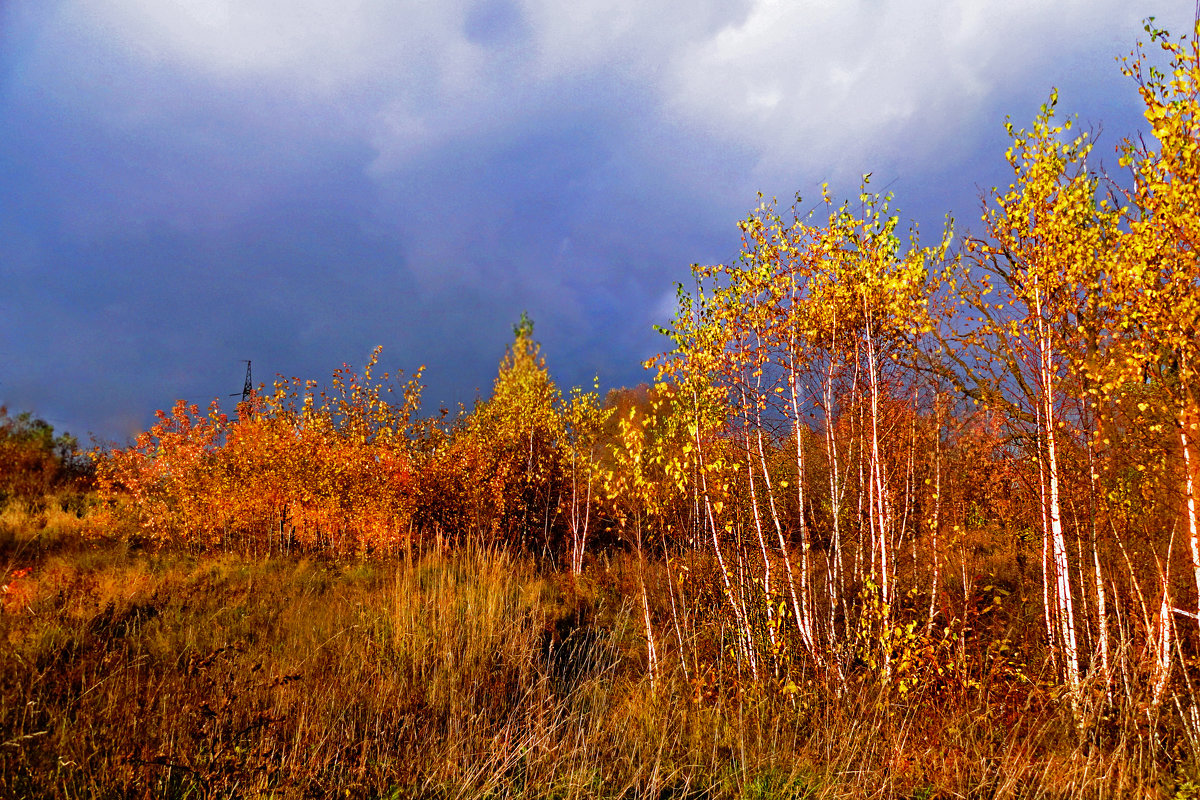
247	387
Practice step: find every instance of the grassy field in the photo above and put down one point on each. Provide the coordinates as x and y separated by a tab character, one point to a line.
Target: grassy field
467	674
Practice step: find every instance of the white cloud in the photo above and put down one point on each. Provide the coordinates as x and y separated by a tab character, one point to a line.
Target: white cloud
848	78
326	45
798	82
633	39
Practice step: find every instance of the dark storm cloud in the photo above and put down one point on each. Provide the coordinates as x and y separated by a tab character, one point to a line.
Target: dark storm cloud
187	183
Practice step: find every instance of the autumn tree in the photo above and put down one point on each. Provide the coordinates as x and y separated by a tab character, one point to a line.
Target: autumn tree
1161	268
34	462
584	421
300	467
1035	340
771	340
512	442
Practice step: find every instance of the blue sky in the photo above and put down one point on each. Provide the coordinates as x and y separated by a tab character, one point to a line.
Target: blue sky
188	183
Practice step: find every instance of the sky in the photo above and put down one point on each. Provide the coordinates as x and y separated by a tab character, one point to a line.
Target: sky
187	184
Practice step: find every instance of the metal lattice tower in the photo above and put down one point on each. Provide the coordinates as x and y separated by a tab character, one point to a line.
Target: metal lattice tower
247	387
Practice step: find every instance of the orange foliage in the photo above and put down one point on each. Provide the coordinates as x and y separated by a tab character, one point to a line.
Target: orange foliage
295	469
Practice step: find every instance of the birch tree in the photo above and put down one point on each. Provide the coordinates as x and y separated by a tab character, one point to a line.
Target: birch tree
1161	278
1037	323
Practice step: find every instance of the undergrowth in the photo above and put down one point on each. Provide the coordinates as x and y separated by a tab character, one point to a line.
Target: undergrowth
469	674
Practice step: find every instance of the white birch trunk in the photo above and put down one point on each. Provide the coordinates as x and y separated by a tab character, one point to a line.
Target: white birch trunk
762	545
879	505
1062	575
801	605
936	522
1190	494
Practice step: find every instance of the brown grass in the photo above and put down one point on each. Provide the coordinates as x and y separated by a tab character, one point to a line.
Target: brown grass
464	675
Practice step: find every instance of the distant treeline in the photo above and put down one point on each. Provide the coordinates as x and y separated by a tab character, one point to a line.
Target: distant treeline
36	466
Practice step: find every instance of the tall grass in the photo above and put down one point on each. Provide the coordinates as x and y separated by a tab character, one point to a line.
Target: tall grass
464	675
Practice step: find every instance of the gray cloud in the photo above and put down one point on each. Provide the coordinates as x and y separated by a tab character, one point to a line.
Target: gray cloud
192	182
803	84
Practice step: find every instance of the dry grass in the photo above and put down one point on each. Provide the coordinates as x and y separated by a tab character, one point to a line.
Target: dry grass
465	675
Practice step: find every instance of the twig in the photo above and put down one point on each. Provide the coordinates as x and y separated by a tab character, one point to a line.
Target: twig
13	742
